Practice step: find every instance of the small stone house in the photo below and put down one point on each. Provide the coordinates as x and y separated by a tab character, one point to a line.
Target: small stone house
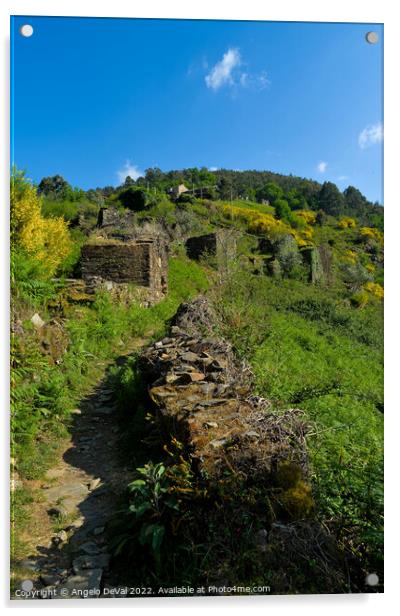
113	264
220	244
177	191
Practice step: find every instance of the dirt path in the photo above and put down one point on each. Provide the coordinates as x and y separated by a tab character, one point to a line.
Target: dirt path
79	496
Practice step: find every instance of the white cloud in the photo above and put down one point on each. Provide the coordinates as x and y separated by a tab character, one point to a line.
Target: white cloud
221	73
213	168
230	72
244	79
342	178
128	169
256	81
322	166
370	135
263	80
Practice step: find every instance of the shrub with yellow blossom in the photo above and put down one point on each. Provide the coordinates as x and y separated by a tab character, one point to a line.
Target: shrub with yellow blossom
347	223
45	240
370	233
264	224
375	289
307	215
350	256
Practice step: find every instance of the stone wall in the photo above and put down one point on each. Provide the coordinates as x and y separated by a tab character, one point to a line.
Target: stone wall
112	217
220	244
237	466
204	398
319	261
265	245
110	263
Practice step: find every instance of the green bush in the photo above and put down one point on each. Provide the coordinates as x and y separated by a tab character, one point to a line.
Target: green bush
134	199
54	209
163	211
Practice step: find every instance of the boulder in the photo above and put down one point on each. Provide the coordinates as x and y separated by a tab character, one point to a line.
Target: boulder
37	321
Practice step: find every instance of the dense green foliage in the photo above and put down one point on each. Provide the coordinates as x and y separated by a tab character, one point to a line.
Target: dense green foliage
293	193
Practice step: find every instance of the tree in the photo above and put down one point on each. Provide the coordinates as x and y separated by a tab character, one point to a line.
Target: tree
321	218
107	191
206	177
154	177
129	181
55	187
331	200
224	188
133	198
95	196
282	209
271	192
356	203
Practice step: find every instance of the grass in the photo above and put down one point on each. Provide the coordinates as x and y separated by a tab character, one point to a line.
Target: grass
313	350
251	205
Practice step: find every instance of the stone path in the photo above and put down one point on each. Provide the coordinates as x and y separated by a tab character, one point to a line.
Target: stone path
81	494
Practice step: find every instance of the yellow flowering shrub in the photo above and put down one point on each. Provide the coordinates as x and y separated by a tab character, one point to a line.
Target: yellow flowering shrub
308	216
26	222
375	289
367	233
303	237
46	240
347	223
265	224
370	267
350	256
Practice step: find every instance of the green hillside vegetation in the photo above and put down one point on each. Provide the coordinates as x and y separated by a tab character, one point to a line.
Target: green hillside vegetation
317	347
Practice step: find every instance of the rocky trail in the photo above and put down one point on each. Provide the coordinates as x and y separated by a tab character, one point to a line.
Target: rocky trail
78	497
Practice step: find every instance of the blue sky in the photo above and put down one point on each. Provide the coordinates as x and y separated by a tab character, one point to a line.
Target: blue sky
94	99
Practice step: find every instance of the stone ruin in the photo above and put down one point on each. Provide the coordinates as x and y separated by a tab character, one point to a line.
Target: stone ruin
221	244
114	265
123	225
317	259
203	397
248	461
124	258
112	217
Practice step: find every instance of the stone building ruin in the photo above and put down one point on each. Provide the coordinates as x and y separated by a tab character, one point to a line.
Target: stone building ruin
221	244
114	264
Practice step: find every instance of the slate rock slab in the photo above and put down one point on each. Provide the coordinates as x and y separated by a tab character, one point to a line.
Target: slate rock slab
89	579
99	561
67	491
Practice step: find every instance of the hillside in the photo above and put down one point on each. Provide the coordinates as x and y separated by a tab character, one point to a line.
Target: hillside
289	279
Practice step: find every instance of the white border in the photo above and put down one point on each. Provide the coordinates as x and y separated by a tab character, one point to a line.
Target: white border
284	10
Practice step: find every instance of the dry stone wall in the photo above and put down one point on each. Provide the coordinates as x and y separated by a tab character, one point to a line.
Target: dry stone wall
111	217
221	244
110	263
203	396
319	262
